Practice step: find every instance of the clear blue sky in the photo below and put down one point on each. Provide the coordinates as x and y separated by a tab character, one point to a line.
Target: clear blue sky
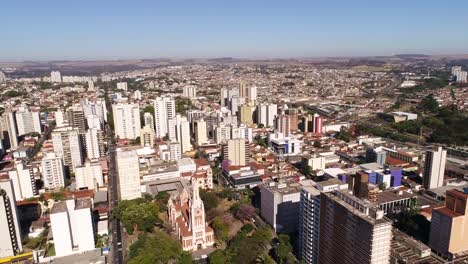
100	29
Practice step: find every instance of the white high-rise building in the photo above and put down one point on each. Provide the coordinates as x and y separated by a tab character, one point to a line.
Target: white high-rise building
222	133
72	226
94	142
434	168
235	103
59	118
137	95
94	121
128	171
55	77
126	120
23	181
2	77
242	132
90	86
149	120
201	136
252	94
272	110
122	86
10	242
189	91
456	69
27	122
10	134
170	151
237	152
462	76
67	145
95	107
172	129
283	125
183	133
53	172
164	110
89	175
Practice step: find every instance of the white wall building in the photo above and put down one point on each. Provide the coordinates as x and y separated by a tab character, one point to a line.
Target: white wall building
128	171
434	168
122	86
126	120
201	135
183	133
53	172
10	242
72	226
189	91
93	139
23	182
27	122
164	109
89	175
55	77
67	145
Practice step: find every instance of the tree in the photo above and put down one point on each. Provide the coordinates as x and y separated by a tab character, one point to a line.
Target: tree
283	249
161	200
156	248
307	170
210	200
217	257
220	228
383	186
137	213
429	104
317	144
245	212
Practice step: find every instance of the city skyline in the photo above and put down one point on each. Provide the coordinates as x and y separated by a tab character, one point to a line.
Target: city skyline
118	30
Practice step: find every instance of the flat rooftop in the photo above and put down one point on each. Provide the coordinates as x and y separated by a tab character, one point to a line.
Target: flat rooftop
391	196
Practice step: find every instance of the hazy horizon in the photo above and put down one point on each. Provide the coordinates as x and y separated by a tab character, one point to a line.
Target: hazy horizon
119	30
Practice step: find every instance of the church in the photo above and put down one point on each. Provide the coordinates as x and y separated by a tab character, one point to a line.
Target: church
187	217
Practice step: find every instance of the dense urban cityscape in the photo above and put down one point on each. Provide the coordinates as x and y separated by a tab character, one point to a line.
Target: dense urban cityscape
234	132
197	161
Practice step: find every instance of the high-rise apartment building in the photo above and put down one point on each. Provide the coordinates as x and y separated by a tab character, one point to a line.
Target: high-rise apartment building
283	125
309	219
449	225
183	133
128	171
90	86
94	121
27	122
189	91
94	143
126	120
2	77
122	86
89	175
434	168
23	181
148	120
53	172
67	145
9	131
10	242
318	124
237	152
266	114
76	118
222	133
55	77
201	136
147	136
246	114
252	94
293	118
72	226
164	110
352	231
